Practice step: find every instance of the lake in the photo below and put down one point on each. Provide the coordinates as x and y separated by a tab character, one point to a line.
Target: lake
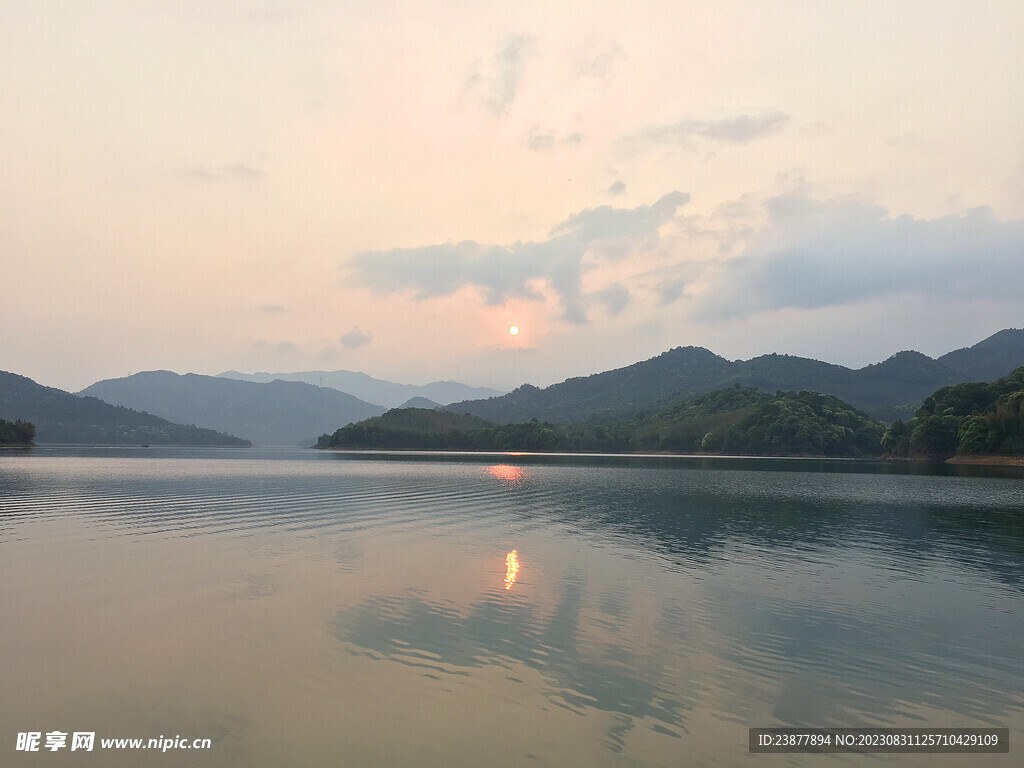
332	609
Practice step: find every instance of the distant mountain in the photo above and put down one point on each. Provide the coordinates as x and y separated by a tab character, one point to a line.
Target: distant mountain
377	391
61	417
275	413
989	359
419	402
612	395
888	390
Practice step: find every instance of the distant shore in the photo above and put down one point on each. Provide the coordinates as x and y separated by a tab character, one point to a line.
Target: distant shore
991	460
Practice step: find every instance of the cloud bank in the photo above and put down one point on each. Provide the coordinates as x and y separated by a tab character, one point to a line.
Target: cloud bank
815	254
595	235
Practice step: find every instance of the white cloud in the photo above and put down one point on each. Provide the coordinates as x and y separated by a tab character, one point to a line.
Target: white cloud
740	129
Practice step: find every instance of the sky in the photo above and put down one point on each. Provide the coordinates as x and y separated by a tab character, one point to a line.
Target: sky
386	187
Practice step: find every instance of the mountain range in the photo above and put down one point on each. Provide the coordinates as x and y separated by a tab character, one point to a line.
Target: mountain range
61	417
272	413
888	390
279	412
378	391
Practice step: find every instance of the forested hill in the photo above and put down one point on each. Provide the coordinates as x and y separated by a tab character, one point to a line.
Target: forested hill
609	396
888	390
61	417
423	429
969	418
734	420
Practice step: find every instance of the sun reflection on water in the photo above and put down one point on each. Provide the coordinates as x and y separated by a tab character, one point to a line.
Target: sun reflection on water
511	568
507	473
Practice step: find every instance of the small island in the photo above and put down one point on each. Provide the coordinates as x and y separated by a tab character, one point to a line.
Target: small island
17	433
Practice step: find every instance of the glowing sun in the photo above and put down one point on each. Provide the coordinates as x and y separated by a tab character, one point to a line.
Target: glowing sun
513	330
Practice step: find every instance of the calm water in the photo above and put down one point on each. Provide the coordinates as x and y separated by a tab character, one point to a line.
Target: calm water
323	609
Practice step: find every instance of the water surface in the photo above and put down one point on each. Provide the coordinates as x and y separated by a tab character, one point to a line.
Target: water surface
306	608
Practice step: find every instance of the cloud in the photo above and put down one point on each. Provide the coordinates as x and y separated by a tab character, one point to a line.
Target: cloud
496	86
617	188
355	338
600	65
501	273
830	253
538	140
232	172
740	129
615	298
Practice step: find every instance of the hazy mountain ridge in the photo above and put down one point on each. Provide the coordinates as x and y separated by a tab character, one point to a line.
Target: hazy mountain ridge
61	417
388	394
887	390
273	413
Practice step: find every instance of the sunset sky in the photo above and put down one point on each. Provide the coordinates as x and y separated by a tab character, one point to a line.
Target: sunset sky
386	187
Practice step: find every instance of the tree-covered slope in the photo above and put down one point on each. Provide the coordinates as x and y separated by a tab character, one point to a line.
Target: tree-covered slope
969	418
423	429
888	390
733	420
61	417
608	396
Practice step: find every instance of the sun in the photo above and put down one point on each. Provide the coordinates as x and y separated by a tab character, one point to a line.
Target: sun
513	330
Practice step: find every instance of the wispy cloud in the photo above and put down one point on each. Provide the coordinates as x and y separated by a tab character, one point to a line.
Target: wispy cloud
617	188
500	272
496	83
237	172
740	129
601	64
539	140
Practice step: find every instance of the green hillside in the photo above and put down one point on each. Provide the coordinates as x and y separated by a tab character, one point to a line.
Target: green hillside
971	418
888	390
428	429
734	420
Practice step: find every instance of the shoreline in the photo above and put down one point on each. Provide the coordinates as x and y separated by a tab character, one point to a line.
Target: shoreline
993	460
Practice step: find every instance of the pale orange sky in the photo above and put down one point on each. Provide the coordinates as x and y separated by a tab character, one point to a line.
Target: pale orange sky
386	187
